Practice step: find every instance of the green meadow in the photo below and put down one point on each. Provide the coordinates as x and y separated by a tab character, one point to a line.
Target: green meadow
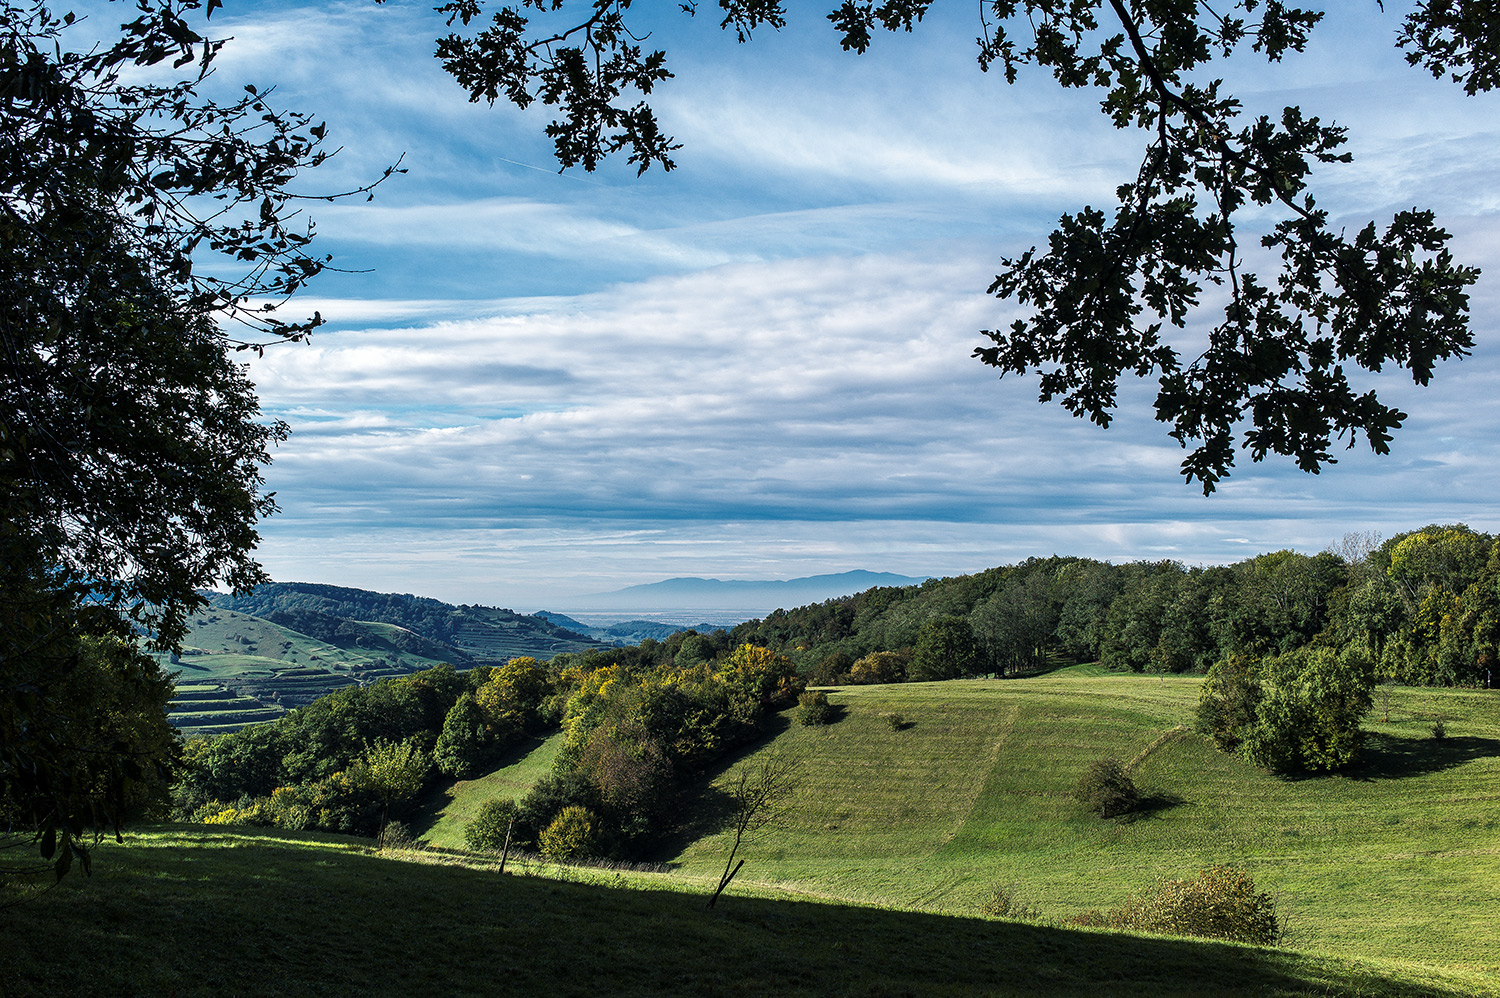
872	884
1399	857
442	819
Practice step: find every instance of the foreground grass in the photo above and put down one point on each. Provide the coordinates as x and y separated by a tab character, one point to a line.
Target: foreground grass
1397	858
192	911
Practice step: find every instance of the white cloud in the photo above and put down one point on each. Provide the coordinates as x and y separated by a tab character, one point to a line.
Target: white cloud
758	365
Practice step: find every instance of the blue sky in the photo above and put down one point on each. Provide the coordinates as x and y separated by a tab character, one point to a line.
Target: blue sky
536	385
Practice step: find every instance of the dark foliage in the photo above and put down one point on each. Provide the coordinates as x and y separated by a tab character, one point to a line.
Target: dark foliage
1107	790
1112	290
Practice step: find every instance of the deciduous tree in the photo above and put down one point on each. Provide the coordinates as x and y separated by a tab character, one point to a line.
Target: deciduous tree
1107	295
131	444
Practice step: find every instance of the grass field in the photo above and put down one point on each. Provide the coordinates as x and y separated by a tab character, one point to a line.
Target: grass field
442	818
190	911
1389	874
1398	858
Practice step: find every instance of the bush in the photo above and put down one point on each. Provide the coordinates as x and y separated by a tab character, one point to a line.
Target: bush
877	668
1107	790
1439	730
897	722
1220	903
1292	712
1227	701
1009	901
572	835
813	708
488	827
1309	715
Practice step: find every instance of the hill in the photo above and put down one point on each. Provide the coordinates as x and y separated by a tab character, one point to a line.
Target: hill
1399	857
250	658
416	625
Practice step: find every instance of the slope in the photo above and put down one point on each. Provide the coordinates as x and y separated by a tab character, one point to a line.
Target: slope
1400	857
274	913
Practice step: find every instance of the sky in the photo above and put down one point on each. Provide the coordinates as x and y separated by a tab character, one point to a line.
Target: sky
536	385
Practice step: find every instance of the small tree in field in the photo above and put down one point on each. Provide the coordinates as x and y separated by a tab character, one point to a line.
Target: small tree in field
1107	789
760	797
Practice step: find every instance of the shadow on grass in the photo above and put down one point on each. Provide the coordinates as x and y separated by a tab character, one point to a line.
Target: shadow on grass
1153	803
705	809
1390	757
430	809
268	915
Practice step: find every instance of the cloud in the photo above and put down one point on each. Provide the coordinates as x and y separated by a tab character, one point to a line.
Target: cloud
759	364
717	421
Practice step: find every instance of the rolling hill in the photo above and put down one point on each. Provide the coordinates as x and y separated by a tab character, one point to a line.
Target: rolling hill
871	885
250	658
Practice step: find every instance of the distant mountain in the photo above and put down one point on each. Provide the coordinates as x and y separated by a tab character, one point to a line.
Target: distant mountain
626	632
693	593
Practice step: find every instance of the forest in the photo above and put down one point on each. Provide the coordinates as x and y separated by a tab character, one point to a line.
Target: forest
1424	604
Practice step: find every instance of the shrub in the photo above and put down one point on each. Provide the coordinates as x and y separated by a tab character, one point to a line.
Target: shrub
394	836
1009	901
1227	701
878	667
1439	729
1220	903
813	708
897	722
1309	716
1292	712
488	827
572	835
1107	790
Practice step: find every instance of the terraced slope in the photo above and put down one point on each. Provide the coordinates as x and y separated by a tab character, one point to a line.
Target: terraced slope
257	667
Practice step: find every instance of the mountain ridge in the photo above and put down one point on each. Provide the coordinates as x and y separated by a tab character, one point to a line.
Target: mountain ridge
692	591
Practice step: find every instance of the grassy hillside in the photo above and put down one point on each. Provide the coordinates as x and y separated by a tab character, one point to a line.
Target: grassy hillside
238	667
1398	858
444	814
209	912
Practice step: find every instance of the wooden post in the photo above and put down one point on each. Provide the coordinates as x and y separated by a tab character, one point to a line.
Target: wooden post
506	851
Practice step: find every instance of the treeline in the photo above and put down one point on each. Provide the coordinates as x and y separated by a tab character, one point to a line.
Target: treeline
1425	605
335	614
637	725
319	611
